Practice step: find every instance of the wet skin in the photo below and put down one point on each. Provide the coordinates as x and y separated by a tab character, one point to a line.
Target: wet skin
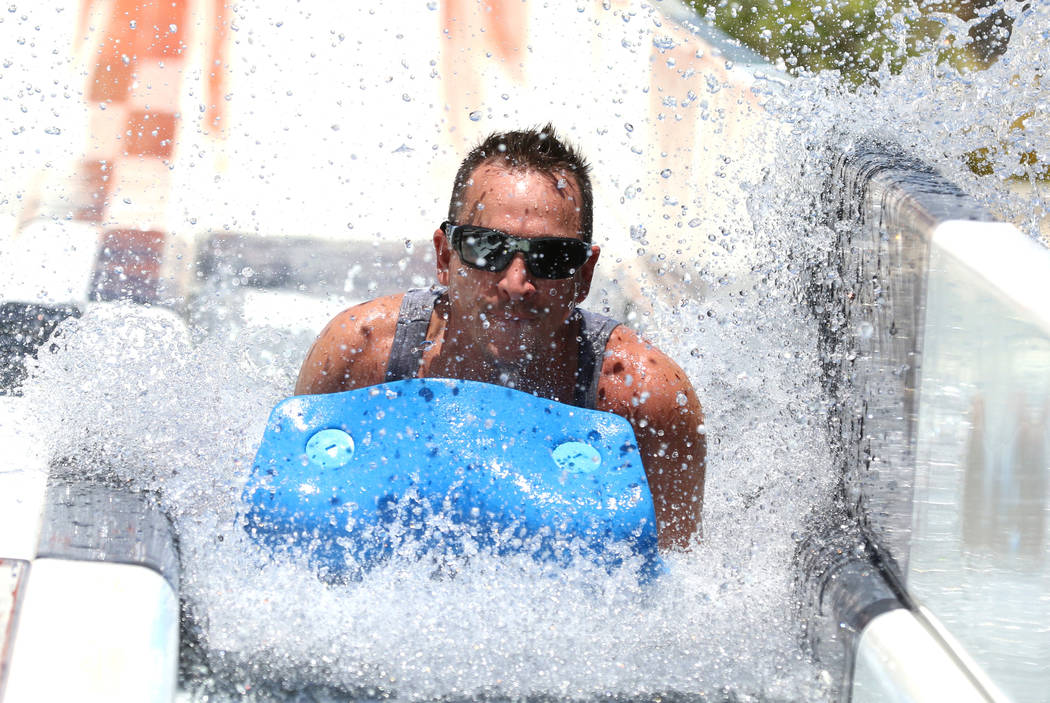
512	328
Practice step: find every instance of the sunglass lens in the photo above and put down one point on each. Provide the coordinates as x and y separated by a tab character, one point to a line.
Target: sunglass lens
485	249
557	258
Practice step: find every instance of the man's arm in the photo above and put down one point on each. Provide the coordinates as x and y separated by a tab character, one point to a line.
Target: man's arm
643	385
353	349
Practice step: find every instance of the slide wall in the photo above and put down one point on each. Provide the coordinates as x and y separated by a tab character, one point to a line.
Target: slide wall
935	339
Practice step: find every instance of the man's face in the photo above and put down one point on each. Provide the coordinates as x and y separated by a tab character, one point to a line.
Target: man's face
511	314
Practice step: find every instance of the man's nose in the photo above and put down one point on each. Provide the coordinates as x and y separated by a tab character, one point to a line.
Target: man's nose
516	282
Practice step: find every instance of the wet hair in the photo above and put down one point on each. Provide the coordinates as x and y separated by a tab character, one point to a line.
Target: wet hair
536	149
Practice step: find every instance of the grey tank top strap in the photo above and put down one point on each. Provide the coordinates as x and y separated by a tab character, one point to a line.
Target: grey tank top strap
410	336
412	321
594	336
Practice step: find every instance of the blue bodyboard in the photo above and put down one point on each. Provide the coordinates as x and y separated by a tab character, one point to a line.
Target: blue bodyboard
448	467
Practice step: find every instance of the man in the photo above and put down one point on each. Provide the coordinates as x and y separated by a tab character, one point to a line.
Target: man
514	260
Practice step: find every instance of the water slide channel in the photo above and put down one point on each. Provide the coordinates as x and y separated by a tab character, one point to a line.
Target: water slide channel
191	192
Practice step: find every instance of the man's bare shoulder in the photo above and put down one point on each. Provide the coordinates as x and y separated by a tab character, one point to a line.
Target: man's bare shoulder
352	350
643	385
368	320
636	376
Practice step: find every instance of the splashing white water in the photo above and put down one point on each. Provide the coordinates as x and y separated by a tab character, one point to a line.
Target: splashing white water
963	122
135	399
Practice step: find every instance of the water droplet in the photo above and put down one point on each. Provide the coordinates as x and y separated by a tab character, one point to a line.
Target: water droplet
133	24
432	5
335	128
173	28
696	353
695	222
666	173
125	59
562	184
53	131
628	126
406	97
681	398
505	96
475	116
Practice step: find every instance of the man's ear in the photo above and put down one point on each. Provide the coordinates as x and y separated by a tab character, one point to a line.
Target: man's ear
586	273
443	257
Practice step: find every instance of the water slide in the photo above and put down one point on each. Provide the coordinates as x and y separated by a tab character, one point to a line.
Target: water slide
193	191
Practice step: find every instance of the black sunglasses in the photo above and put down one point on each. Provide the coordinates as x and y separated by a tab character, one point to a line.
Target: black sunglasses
492	250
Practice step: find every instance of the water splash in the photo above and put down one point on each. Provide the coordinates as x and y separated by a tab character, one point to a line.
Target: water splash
984	129
137	400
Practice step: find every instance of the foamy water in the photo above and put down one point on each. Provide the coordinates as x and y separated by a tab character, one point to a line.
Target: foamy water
137	399
943	115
